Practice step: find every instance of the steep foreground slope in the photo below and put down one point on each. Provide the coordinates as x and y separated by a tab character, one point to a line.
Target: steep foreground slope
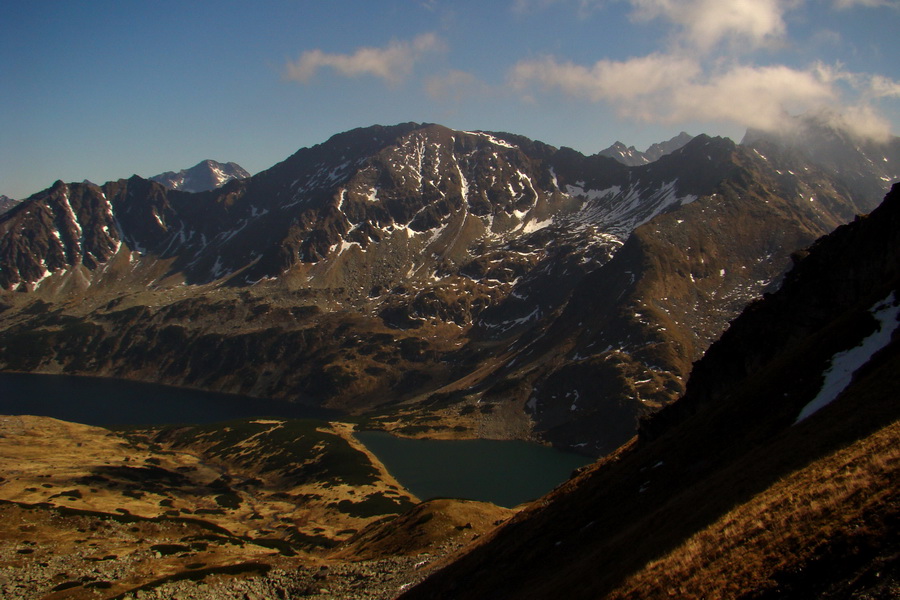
726	493
444	283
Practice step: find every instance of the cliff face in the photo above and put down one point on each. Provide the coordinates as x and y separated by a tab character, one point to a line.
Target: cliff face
729	492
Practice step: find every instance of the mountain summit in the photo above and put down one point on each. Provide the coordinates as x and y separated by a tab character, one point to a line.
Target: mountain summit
6	203
628	155
202	177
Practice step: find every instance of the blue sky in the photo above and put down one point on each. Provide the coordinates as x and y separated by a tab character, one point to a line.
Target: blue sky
100	90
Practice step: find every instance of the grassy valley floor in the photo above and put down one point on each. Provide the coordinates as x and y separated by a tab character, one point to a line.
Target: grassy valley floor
205	511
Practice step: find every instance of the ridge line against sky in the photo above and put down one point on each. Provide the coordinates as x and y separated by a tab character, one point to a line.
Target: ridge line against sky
103	89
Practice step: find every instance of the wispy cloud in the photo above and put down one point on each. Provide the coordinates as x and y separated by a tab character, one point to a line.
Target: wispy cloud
760	97
455	86
606	79
669	89
392	63
867	85
702	73
702	24
845	4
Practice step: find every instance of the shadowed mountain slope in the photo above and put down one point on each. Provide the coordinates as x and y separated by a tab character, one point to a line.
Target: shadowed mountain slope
728	493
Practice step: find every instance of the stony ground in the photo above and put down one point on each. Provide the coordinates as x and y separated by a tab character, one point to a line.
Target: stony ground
39	559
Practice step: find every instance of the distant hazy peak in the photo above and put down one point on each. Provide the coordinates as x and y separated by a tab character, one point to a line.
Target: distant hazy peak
632	157
204	176
6	203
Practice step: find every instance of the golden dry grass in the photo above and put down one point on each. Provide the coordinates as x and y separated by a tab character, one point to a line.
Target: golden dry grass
780	529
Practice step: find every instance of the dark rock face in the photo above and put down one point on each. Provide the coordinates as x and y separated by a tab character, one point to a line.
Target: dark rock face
850	270
414	261
65	227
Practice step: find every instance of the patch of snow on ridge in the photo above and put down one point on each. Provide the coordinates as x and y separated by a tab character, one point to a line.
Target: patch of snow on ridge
491	139
578	190
844	364
463	183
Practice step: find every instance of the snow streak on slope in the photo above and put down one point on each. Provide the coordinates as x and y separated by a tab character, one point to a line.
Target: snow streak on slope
845	364
620	211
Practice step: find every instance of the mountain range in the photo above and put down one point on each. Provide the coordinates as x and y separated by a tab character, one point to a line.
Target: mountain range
439	282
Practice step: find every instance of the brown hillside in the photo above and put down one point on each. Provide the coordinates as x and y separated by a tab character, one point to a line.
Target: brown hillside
424	528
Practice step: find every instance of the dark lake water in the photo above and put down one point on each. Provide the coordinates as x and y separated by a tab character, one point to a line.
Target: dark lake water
104	402
503	472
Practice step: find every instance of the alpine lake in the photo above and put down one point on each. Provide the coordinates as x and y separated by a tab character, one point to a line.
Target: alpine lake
506	473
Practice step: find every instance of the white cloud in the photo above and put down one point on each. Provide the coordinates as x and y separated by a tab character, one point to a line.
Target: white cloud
760	97
702	76
868	86
884	87
669	89
607	79
703	24
392	63
861	120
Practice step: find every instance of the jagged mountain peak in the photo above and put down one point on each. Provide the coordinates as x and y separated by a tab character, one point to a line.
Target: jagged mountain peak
630	156
204	176
829	143
7	203
659	149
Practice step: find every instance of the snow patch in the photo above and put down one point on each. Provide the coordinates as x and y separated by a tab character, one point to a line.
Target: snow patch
844	364
491	139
